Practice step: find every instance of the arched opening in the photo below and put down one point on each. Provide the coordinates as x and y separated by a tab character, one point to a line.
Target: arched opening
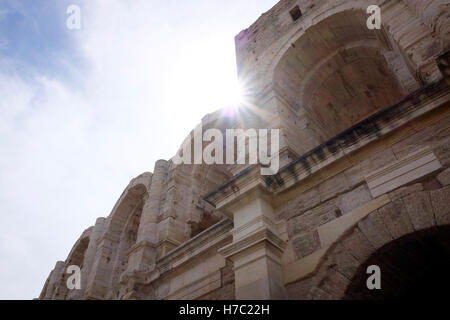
196	180
416	266
125	224
76	258
339	72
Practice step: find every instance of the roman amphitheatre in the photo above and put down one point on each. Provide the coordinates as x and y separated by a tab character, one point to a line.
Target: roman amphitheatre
364	175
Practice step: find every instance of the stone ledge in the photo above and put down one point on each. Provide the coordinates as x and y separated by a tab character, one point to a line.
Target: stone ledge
198	288
212	236
263	235
399	173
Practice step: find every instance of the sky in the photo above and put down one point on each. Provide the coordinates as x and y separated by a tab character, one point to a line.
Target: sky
82	112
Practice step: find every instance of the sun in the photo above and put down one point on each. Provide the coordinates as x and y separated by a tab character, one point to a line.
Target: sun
200	83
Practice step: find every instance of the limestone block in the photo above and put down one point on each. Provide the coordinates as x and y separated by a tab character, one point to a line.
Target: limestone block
412	167
433	134
420	211
356	173
355	198
306	244
334	283
444	177
319	294
301	289
302	203
440	200
344	262
404	191
375	230
333	186
443	153
314	218
358	245
396	219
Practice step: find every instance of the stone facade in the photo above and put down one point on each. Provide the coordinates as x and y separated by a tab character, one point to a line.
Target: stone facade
365	154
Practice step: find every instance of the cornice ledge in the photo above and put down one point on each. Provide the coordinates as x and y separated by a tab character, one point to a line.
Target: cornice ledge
262	235
195	246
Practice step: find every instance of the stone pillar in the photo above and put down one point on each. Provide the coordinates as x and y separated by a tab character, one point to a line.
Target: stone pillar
89	256
100	276
258	243
171	231
142	255
53	279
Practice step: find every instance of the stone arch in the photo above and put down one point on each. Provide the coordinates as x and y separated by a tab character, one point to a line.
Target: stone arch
120	235
337	72
125	225
199	179
392	26
76	258
413	266
133	195
127	239
408	226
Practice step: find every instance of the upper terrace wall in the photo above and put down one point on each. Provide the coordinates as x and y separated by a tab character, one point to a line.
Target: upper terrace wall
315	76
260	46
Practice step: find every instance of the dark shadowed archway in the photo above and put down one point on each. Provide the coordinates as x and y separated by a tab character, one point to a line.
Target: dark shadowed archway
416	266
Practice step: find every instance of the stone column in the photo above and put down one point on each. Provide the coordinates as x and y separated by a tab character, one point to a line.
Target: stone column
53	279
90	254
171	228
100	275
258	243
143	254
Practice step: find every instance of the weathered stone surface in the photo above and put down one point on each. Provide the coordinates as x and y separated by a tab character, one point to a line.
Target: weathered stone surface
333	282
306	244
300	290
227	290
444	177
355	198
320	294
420	211
396	219
314	218
356	174
443	153
358	245
297	225
435	136
440	200
375	230
344	262
300	204
332	187
404	191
